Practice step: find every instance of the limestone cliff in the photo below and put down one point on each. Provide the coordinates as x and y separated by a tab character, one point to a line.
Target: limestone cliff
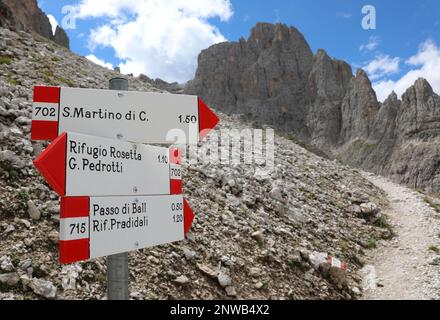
274	78
25	15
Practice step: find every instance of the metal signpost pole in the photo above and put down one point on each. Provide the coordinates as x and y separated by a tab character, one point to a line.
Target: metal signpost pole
117	265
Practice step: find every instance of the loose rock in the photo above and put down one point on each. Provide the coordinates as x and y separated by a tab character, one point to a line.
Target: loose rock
33	211
9	279
43	288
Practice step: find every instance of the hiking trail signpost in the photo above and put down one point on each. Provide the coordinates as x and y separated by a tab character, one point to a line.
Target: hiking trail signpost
117	194
93	227
77	165
141	117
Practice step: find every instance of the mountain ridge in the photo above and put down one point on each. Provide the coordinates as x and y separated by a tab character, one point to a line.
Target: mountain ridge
25	15
274	78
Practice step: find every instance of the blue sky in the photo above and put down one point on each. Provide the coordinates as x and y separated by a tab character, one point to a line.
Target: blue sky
163	38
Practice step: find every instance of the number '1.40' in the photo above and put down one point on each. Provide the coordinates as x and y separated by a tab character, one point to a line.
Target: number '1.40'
163	159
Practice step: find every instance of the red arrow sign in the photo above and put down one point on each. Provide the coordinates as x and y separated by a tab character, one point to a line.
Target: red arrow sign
76	165
52	164
93	227
141	117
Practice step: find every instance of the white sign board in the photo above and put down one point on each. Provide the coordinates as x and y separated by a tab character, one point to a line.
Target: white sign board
142	117
93	227
78	165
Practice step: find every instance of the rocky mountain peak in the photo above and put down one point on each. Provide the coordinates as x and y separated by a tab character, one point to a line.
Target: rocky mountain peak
321	54
423	84
364	86
423	89
261	31
359	108
25	15
274	78
61	37
273	65
392	98
329	77
361	74
419	93
267	32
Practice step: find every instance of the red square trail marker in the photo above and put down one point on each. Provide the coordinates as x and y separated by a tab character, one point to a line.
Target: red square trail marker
141	117
78	165
45	113
93	227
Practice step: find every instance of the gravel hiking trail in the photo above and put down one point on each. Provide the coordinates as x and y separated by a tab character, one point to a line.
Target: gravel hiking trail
408	266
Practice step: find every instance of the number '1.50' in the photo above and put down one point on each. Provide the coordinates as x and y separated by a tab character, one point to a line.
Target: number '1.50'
188	119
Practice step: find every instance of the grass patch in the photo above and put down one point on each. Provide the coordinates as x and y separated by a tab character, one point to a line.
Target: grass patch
265	286
434	249
101	278
23	196
15	260
382	223
317	244
61	80
371	243
47	76
311	196
13	81
6	60
9	171
51	79
345	246
431	203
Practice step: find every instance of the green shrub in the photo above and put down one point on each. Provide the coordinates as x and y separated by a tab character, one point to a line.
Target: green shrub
434	249
5	60
431	203
371	243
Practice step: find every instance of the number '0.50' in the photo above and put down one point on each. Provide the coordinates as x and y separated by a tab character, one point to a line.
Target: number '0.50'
177	206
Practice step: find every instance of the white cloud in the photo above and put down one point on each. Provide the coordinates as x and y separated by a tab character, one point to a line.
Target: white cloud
381	66
372	44
100	62
53	22
425	64
158	38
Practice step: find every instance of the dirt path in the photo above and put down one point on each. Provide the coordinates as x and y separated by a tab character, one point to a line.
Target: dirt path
406	267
